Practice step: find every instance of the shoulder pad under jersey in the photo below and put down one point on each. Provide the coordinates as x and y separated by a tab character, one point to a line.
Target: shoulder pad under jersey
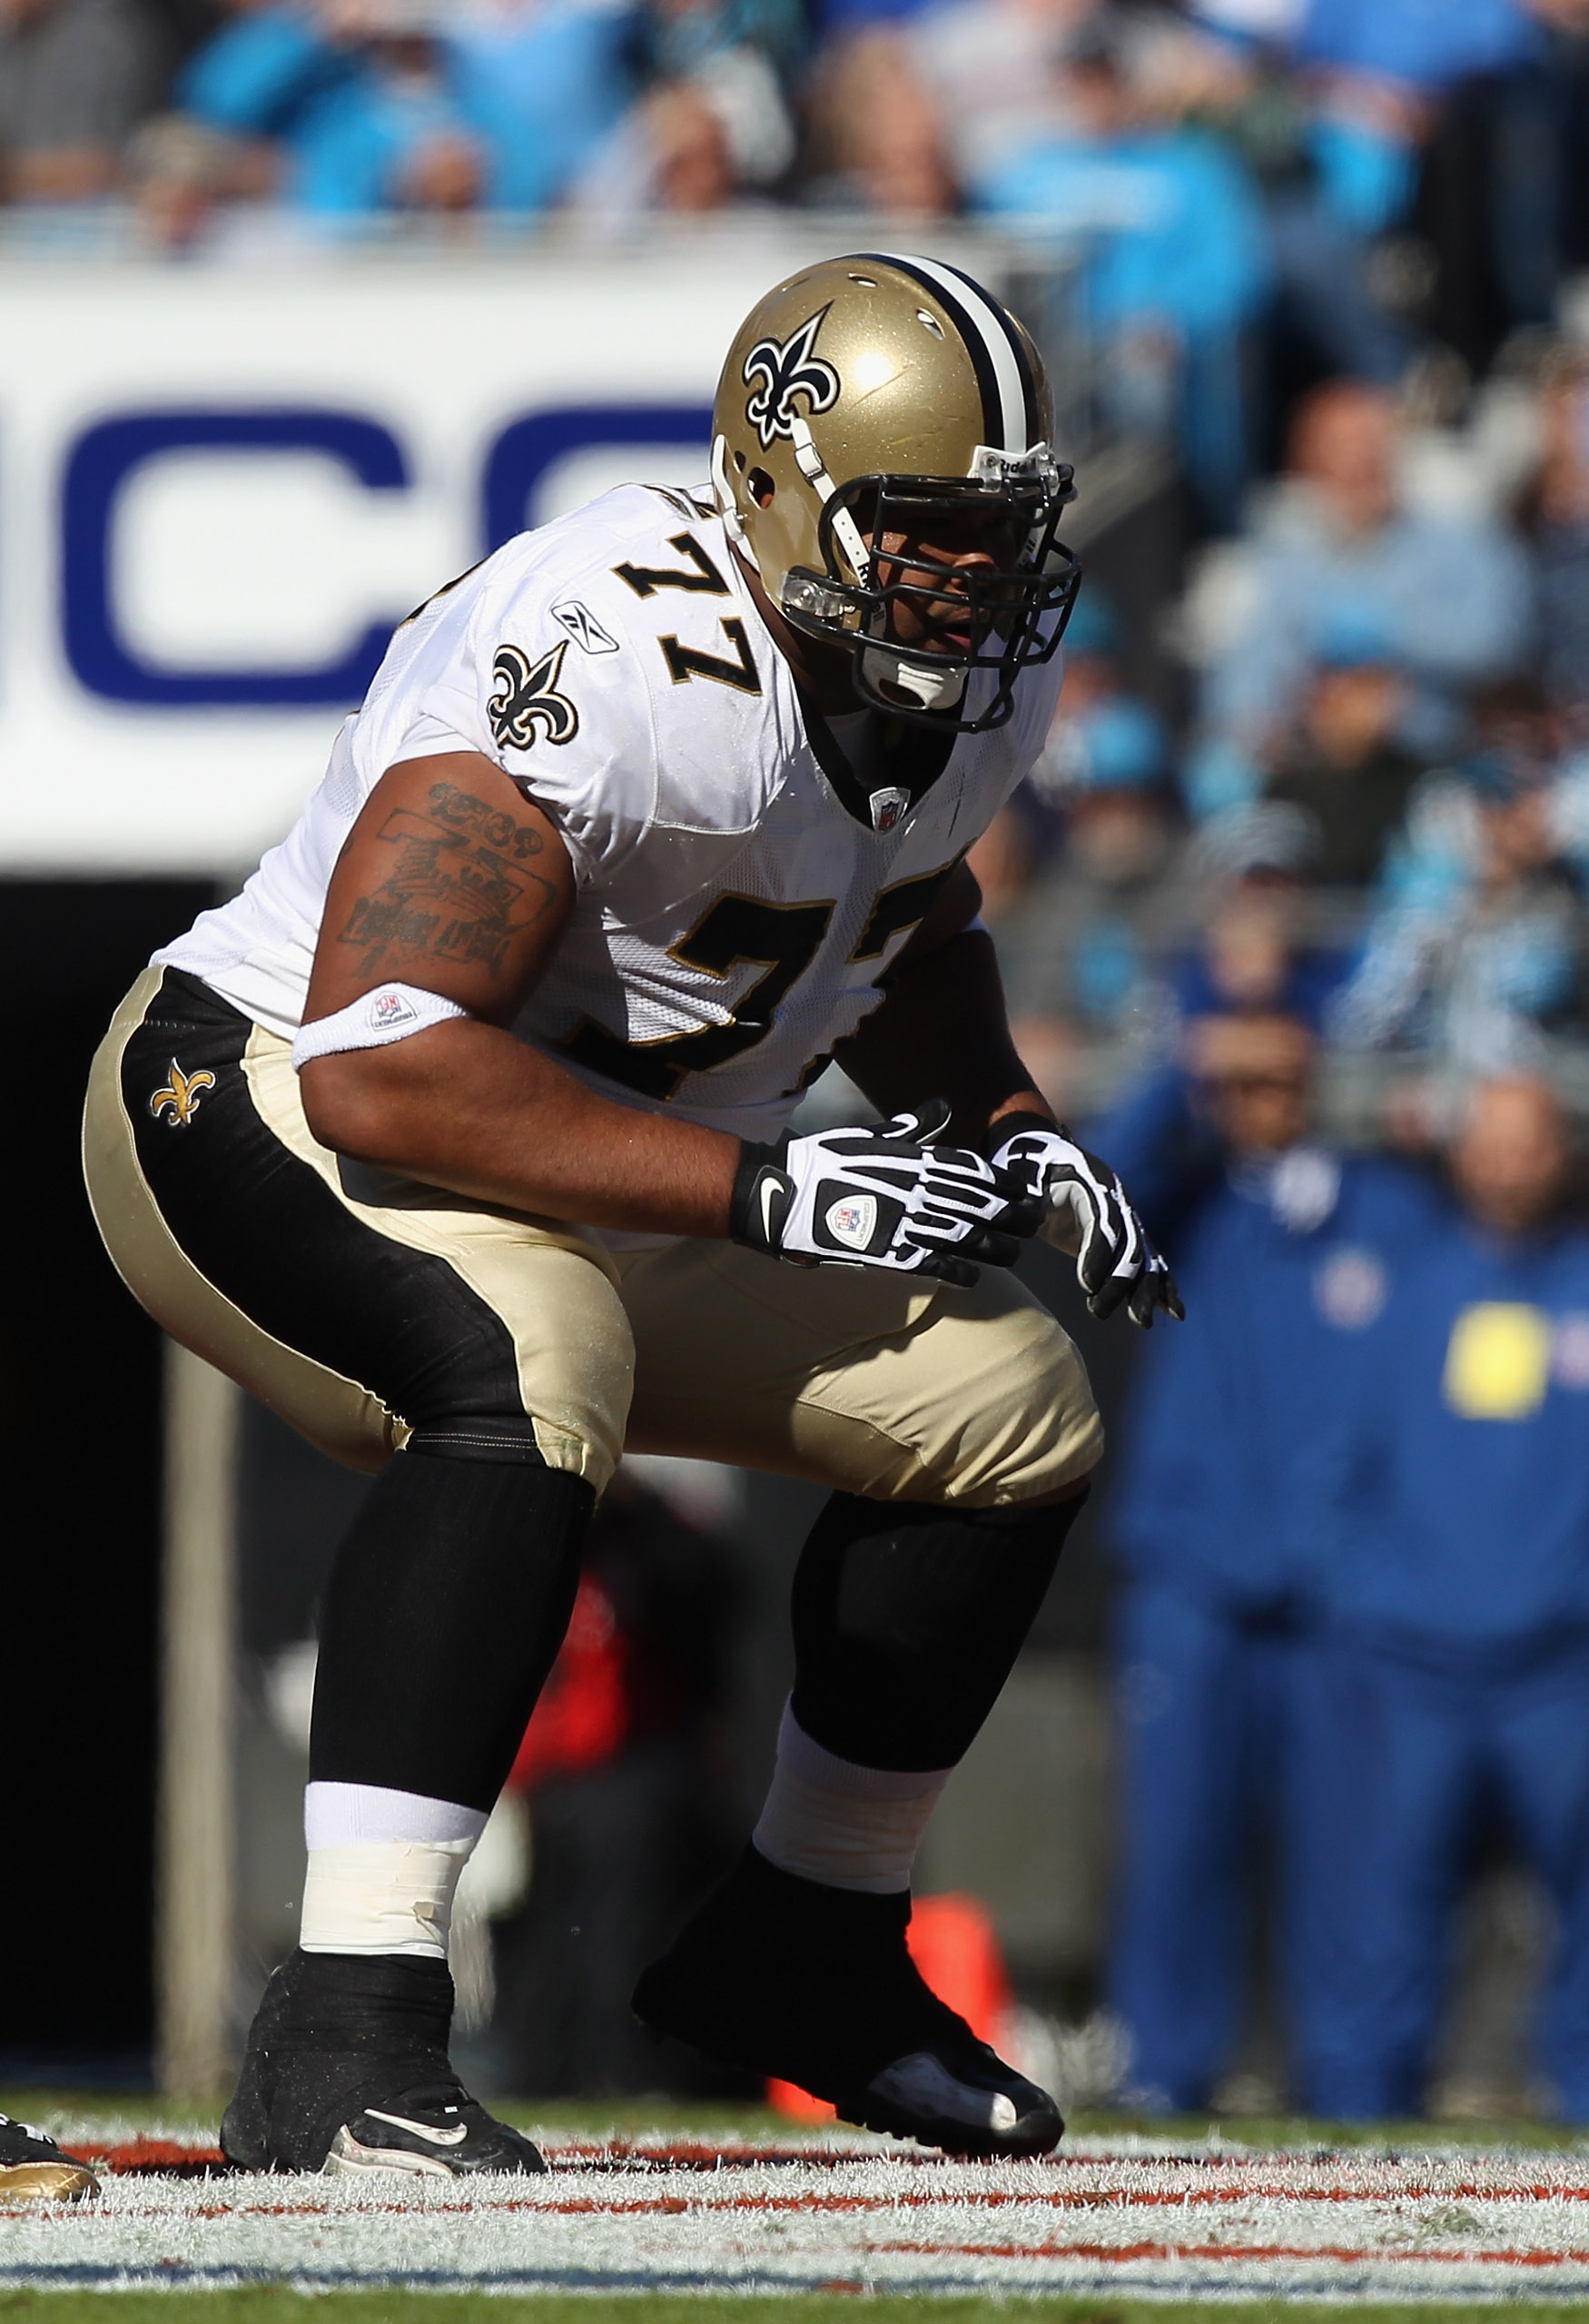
614	663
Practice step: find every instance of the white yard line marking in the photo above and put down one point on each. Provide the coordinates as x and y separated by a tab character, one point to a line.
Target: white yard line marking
656	2215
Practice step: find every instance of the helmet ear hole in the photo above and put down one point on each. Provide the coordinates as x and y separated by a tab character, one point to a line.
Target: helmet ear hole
761	487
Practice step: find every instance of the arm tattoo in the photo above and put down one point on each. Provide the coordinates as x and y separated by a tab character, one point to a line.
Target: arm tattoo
458	887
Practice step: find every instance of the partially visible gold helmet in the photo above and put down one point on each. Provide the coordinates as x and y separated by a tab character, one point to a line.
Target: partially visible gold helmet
871	395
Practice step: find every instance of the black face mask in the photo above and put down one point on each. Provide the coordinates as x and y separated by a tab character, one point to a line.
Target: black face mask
1015	612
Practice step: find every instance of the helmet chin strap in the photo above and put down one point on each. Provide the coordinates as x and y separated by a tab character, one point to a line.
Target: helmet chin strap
931	685
808	459
727	509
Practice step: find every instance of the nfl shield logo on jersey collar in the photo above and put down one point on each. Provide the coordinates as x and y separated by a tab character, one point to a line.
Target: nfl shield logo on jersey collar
889	807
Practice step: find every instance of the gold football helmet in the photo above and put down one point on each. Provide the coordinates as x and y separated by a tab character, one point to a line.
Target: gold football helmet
879	396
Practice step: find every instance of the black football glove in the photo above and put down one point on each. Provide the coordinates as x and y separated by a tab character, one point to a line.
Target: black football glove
1089	1216
881	1198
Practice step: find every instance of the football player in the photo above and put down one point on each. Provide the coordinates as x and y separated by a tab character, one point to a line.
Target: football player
461	1138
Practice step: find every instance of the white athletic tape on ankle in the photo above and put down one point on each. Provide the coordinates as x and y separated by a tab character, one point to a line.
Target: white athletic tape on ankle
340	1816
848	1826
391	1012
382	1896
862	1844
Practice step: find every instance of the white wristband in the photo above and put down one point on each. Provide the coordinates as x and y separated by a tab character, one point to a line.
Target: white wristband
391	1012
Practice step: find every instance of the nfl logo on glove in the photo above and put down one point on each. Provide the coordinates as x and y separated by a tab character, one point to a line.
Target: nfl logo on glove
854	1221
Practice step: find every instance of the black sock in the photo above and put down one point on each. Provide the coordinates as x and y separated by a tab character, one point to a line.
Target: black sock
446	1609
908	1617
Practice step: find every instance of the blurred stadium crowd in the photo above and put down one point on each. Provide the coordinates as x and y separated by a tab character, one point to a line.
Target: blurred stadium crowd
1216	155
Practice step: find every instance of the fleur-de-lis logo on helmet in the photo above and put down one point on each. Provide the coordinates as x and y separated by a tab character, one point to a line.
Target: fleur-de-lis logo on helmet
785	372
524	699
178	1101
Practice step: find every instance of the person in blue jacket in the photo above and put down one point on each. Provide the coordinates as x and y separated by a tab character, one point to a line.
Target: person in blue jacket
1455	1581
1288	1252
1176	256
417	104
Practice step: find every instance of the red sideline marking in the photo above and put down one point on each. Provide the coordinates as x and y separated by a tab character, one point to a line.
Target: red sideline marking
974	2199
625	2154
1224	2251
1132	2198
142	2158
617	2154
147	2157
151	2157
811	2204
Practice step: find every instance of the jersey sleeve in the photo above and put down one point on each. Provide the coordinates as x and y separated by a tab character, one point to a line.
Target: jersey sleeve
574	731
491	669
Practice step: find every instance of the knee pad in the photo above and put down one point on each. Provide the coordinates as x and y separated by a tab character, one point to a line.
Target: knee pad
1047	1434
1010	1418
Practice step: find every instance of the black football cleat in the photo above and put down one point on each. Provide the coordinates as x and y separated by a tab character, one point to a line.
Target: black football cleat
782	1977
347	2071
34	2170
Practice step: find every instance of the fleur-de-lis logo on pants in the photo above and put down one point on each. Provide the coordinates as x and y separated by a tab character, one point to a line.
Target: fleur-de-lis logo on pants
525	699
794	369
178	1101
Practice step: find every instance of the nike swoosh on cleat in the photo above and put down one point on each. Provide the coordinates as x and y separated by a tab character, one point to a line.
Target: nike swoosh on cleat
420	2129
347	2159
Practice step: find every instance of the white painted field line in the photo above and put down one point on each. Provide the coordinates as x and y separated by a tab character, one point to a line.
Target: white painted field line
664	2214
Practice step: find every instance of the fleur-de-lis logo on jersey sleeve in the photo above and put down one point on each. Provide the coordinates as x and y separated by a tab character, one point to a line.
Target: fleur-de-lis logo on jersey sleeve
794	369
178	1101
525	701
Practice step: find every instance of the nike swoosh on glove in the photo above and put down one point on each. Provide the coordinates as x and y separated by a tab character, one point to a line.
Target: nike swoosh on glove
881	1198
1090	1216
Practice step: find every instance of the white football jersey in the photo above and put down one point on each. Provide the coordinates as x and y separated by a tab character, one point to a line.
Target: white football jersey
734	916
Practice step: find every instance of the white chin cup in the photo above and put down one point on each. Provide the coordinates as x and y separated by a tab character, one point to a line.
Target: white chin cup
931	685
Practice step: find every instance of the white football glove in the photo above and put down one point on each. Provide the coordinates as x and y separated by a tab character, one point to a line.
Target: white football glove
1090	1218
881	1198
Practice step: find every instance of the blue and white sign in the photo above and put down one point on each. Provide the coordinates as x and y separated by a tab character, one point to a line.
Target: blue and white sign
220	490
